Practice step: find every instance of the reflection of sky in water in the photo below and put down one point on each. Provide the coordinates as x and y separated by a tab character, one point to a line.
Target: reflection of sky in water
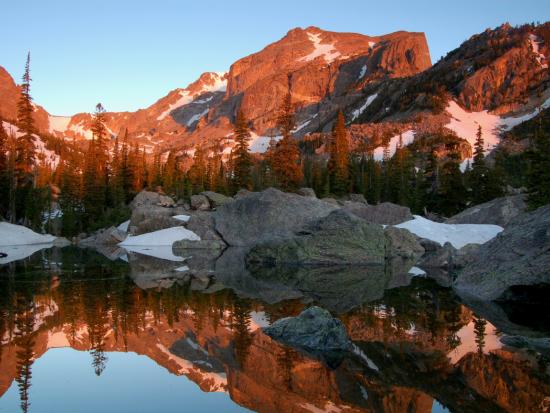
438	408
63	380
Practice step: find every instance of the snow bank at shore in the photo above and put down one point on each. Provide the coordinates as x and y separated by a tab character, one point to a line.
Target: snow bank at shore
11	234
158	244
457	234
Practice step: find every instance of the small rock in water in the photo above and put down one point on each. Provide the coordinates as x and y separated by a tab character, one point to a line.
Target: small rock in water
314	329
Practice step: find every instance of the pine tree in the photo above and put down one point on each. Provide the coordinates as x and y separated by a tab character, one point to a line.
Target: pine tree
538	177
285	158
483	183
96	172
451	194
25	149
339	157
4	174
197	172
241	158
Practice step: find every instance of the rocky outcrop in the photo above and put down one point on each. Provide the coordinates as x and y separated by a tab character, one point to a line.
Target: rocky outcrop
109	236
499	211
148	199
385	213
314	330
215	199
258	217
520	255
200	202
340	238
402	245
202	224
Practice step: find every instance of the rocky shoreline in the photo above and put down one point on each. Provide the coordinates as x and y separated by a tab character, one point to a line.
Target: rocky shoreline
274	246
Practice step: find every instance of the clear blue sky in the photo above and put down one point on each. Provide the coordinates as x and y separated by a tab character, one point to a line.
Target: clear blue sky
127	54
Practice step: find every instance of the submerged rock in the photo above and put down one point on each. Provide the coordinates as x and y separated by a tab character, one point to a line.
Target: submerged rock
314	329
499	211
520	255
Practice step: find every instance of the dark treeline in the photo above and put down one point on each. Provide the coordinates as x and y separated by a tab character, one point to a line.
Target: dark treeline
94	187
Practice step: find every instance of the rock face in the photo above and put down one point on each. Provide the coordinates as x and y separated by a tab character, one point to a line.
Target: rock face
500	211
257	217
109	236
401	244
314	329
340	238
148	198
520	255
200	202
215	199
385	213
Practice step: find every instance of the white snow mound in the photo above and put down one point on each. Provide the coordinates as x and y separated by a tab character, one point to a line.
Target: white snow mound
457	234
163	237
11	234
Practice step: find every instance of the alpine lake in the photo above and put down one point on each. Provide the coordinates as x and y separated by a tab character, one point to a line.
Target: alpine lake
83	331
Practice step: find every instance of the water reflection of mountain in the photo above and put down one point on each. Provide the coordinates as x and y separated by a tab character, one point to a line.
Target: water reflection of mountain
415	344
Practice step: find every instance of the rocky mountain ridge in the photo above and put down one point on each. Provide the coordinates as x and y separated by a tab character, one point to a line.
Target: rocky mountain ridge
385	85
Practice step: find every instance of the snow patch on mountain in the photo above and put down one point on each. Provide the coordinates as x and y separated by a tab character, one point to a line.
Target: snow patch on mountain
362	73
357	112
58	123
45	156
260	144
197	117
465	124
407	137
535	45
327	51
184	99
80	129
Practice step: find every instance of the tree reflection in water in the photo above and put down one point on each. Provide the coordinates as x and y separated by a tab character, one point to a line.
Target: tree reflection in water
423	347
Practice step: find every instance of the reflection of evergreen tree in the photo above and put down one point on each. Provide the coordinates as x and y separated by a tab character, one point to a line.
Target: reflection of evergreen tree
479	330
285	361
25	353
241	333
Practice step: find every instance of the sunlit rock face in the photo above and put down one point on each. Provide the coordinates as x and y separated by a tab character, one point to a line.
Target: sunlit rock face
413	346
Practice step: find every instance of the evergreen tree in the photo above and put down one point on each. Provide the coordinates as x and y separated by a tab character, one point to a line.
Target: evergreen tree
451	194
241	159
197	172
538	177
482	181
25	149
95	176
339	157
285	157
4	174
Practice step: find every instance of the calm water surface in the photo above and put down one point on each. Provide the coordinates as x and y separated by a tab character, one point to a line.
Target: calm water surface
82	333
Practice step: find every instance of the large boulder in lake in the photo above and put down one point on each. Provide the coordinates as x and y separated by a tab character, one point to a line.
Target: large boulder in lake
385	213
520	255
499	211
256	217
313	330
340	238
